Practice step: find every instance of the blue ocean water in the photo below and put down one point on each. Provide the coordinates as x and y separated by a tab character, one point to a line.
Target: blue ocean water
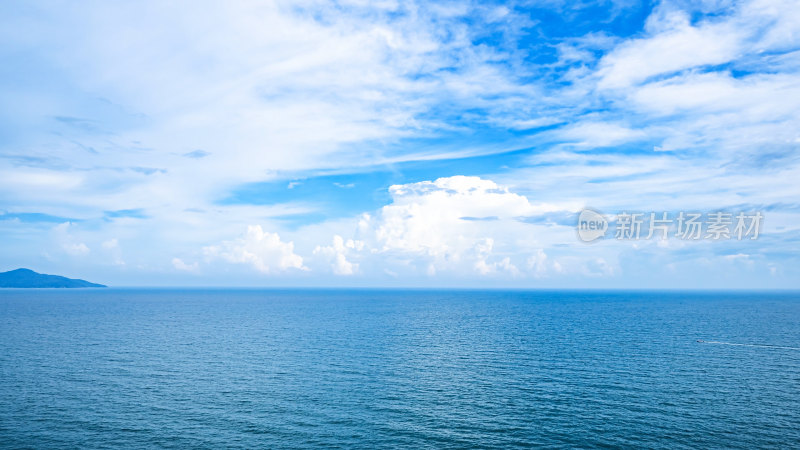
145	368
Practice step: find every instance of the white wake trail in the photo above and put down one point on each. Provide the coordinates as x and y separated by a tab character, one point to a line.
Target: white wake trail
748	345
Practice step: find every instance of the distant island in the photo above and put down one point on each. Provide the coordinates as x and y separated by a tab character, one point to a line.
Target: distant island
26	278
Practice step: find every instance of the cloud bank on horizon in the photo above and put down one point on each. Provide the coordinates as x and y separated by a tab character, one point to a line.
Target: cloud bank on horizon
396	143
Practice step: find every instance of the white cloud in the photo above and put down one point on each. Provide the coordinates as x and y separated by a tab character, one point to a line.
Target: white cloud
677	45
178	264
77	249
262	89
336	255
67	242
261	249
724	84
537	263
759	98
458	225
591	134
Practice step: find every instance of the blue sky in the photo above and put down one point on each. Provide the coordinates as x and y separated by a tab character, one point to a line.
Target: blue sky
396	143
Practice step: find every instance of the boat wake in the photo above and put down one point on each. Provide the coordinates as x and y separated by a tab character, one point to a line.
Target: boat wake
781	347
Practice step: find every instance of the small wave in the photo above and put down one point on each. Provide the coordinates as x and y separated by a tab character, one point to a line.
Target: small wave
782	347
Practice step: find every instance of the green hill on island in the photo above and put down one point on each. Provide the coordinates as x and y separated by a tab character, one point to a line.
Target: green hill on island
26	278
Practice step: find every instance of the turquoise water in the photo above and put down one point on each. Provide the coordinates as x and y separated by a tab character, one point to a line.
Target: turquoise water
414	369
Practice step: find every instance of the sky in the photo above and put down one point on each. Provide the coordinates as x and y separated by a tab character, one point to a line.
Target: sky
398	144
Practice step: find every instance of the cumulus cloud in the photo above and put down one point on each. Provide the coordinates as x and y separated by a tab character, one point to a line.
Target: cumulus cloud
537	263
435	227
336	255
458	227
260	249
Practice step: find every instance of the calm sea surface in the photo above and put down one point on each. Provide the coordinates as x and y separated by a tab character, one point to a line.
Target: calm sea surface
142	368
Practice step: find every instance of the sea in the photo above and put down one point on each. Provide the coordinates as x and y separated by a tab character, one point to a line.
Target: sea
361	368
